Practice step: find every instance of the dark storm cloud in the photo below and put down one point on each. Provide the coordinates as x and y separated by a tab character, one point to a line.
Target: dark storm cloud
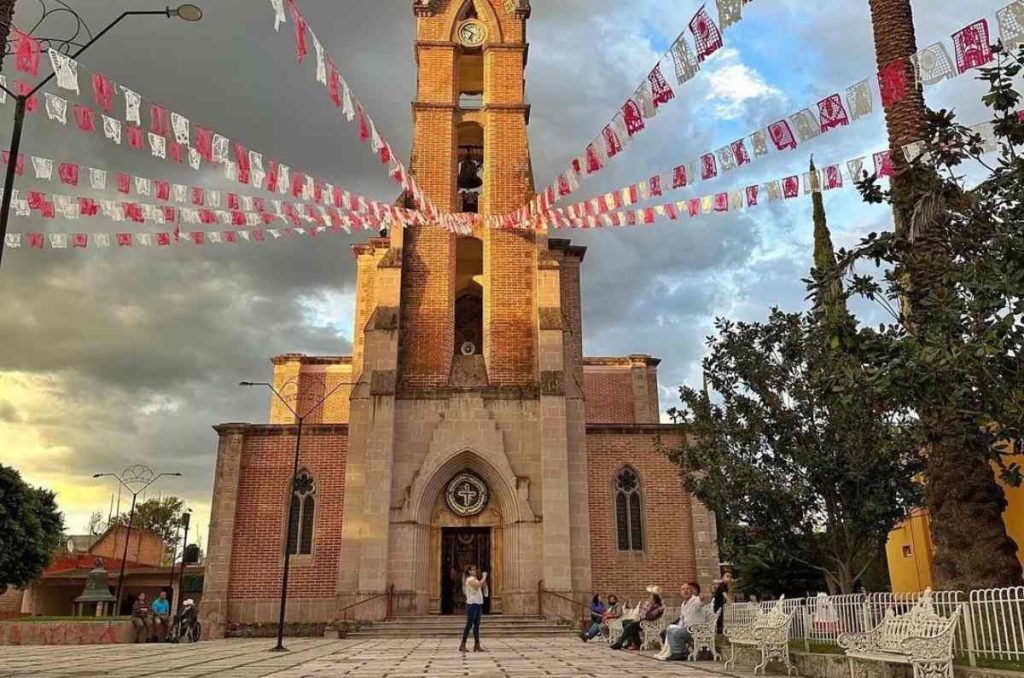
141	350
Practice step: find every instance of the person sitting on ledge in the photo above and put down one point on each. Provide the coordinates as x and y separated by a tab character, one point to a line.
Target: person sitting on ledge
142	619
651	610
161	616
596	615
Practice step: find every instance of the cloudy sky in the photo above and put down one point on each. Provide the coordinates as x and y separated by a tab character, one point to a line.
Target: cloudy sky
115	357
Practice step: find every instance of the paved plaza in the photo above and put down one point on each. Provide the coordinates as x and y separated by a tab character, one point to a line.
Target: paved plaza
317	657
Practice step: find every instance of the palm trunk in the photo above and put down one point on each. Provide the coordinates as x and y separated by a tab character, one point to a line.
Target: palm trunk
973	549
6	17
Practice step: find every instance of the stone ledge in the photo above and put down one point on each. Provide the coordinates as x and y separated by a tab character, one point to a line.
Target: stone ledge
66	632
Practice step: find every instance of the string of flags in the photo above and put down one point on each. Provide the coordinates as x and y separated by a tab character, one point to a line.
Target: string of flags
342	96
932	65
170	136
831	177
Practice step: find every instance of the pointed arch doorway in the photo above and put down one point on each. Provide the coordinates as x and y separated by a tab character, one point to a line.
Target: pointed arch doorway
465	529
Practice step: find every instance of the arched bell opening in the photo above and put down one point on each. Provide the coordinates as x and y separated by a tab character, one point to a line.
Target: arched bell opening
470	165
469	297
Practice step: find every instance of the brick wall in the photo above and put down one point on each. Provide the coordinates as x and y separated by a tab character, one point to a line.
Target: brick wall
261	512
668	558
609	396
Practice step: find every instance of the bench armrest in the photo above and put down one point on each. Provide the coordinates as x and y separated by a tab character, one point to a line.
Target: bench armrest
859	642
932	648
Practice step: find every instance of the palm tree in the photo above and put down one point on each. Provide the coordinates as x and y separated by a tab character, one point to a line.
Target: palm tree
973	549
6	17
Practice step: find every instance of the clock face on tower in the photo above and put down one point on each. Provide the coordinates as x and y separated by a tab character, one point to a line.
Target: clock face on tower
472	33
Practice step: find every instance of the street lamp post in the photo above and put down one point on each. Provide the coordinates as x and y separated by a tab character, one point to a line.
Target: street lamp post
187	12
136	479
183	521
181	575
299	420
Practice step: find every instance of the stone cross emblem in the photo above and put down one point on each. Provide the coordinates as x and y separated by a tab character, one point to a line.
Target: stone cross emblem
466	494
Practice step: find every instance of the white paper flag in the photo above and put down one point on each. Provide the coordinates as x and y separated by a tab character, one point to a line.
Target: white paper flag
180	125
56	108
1011	24
213	198
132	102
66	70
856	168
244	235
321	63
230	170
213	237
284	178
144	239
3	90
221	148
274	233
859	99
59	241
806	125
12	240
143	186
21	208
112	129
112	210
684	60
195	160
729	12
726	158
933	64
158	144
247	203
101	240
66	206
43	168
180	193
346	98
279	15
759	142
987	130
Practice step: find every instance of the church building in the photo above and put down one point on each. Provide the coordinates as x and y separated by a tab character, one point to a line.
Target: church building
466	427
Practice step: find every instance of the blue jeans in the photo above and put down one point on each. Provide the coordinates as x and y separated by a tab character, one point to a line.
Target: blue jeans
678	640
594	630
473	613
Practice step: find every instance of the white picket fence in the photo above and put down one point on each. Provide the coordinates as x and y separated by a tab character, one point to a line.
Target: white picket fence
991	626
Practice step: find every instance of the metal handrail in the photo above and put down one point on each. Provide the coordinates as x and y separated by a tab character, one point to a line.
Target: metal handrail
388	609
540	601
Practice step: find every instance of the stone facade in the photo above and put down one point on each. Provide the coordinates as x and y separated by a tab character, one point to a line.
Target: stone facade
467	357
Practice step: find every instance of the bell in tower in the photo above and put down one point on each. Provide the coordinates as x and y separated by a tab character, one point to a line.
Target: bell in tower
469	175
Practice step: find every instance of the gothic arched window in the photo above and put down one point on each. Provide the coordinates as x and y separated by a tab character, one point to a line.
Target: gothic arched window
629	525
303	514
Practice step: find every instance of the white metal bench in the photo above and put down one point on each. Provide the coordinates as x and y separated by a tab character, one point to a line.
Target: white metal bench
615	625
704	634
650	632
920	637
768	633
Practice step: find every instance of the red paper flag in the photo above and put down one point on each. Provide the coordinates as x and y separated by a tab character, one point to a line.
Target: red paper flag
80	240
35	240
198	196
655	184
207	217
124	183
833	177
721	202
36	200
832	113
28	53
163	189
261	206
163	239
233	203
751	196
679	177
272	176
46	210
135	136
159	121
242	158
177	152
782	135
334	83
68	172
104	91
298	181
883	164
594	163
257	235
84	118
230	237
197	237
708	166
124	239
791	187
612	143
972	46
204	143
237	218
706	36
170	214
892	82
661	92
633	116
88	207
364	125
19	164
693	207
299	22
133	211
739	152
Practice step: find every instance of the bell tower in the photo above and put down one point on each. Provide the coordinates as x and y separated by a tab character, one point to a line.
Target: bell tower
471	295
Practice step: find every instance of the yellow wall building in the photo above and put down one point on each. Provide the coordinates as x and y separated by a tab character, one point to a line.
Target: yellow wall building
909	549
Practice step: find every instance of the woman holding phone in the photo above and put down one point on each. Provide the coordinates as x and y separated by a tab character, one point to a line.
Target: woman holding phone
475	588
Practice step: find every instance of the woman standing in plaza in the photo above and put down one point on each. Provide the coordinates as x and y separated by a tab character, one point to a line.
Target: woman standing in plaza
475	588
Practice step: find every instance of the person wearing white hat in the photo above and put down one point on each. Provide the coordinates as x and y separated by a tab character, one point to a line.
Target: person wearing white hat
651	610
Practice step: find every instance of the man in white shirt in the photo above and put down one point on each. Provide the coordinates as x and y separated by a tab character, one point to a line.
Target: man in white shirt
475	588
677	638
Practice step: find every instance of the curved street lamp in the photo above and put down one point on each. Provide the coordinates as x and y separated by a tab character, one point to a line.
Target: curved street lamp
135	479
187	12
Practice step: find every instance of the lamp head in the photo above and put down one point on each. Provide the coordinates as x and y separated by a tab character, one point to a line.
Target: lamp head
189	12
246	383
174	474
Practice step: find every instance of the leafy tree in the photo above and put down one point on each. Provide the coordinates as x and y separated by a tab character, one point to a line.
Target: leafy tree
30	530
161	516
949	358
801	460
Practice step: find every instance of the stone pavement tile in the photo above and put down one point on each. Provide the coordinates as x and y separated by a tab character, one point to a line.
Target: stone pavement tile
313	658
